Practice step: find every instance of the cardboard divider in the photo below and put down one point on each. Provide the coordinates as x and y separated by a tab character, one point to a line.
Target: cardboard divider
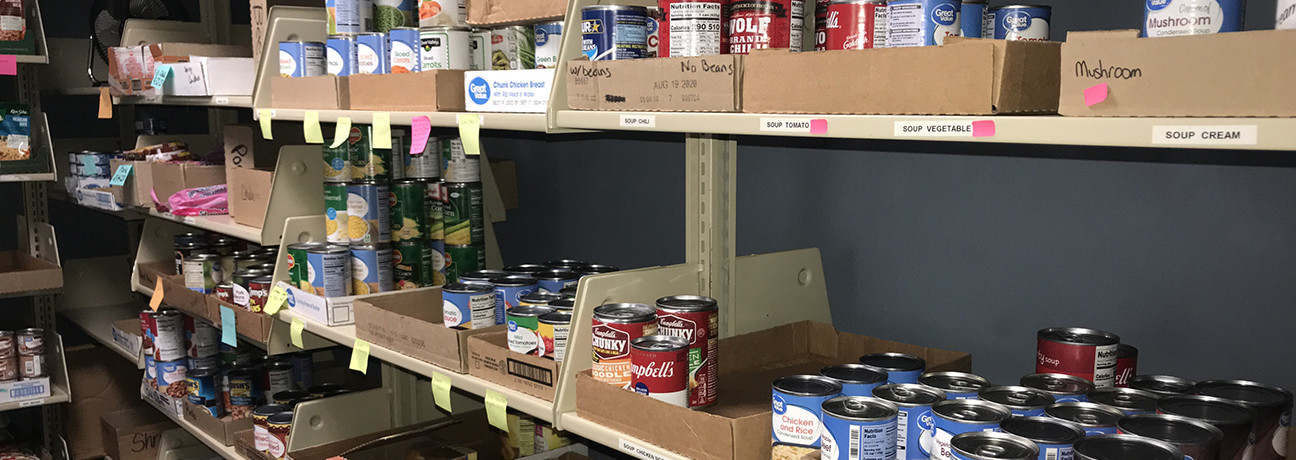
254	325
738	426
491	359
223	428
20	272
169	178
194	303
679	84
328	92
468	430
412	325
338	311
438	91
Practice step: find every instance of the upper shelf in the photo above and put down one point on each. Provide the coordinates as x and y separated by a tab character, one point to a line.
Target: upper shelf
193	101
223	224
503	121
36	27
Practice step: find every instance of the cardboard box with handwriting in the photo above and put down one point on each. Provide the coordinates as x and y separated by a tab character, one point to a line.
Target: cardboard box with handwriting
684	84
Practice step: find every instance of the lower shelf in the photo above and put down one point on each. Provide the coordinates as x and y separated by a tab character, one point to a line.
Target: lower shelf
97	322
174	413
57	395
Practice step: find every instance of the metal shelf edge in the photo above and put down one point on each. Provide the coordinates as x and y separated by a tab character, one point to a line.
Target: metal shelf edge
57	395
223	224
191	101
490	120
592	431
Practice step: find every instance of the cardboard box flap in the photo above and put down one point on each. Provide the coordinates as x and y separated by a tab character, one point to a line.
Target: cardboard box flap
501	12
1082	35
440	90
1021	84
326	92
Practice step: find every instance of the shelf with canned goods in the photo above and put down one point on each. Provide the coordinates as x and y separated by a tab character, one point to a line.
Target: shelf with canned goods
33	368
172	408
189	101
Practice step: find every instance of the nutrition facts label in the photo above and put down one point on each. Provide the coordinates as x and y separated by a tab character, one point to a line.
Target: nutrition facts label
906	25
695	28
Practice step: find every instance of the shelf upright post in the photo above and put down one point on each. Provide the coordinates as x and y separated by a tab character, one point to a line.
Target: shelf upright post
711	187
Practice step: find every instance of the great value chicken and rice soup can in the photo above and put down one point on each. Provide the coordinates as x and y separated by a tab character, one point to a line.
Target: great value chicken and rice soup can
1022	401
615	325
797	407
956	385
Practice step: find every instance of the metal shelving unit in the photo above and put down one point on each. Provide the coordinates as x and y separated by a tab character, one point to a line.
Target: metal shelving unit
174	413
192	101
501	121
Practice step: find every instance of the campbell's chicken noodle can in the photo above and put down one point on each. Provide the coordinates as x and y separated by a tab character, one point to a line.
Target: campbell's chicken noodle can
691	28
855	24
1086	353
659	368
615	325
697	320
1126	364
760	24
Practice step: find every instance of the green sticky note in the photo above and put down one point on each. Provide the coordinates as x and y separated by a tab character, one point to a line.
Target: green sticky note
311	128
497	410
341	131
469	132
441	390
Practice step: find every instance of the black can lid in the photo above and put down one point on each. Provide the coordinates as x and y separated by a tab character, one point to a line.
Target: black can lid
990	445
1125	447
556	274
524	311
281	418
1180	431
859	408
514	280
1254	394
1126	398
1216	411
525	269
687	303
807	385
1164	385
556	317
1086	414
854	373
568	264
894	361
1044	429
594	269
267	410
1058	384
1017	397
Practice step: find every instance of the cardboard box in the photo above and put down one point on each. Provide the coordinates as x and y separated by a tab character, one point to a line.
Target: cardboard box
108	199
248	192
965	76
187	79
497	12
250	324
328	92
139	183
679	84
177	295
1189	76
438	90
169	178
407	325
20	272
517	91
738	426
228	76
104	383
338	311
26	390
224	428
490	358
245	148
150	271
131	68
127	334
133	434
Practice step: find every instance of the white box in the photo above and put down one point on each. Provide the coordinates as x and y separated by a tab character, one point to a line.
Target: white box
130	341
186	79
25	390
98	198
227	76
330	311
518	91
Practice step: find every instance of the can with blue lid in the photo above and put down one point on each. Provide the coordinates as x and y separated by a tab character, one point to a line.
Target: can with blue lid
611	32
1022	22
900	367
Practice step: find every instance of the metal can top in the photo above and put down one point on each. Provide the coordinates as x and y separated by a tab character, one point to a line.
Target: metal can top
971	411
1216	411
1125	447
514	281
990	445
482	275
859	408
369	182
861	2
565	303
1164	385
538	297
240	372
1017	397
290	395
191	245
527	311
525	269
321	388
267	267
281	418
246	254
469	288
659	343
594	269
1254	394
624	313
853	373
950	381
401	28
39	331
263	279
202	372
1125	398
267	410
342	36
248	273
1174	429
1010	7
1078	336
189	237
1058	384
569	264
1086	414
1126	351
408	182
909	394
894	361
166	312
628	8
549	23
370	247
556	274
438	28
807	385
1044	430
686	303
307	245
556	317
268	250
205	256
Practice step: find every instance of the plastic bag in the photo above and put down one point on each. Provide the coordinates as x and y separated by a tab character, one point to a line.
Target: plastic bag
201	201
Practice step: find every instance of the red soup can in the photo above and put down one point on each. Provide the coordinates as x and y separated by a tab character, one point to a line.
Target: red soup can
691	28
759	24
148	329
1086	353
821	22
258	291
1126	364
855	24
615	326
659	368
695	319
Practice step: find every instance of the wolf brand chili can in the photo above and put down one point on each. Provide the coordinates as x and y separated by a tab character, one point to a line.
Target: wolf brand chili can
368	212
855	24
301	59
1129	401
371	268
468	305
1235	419
1022	401
1125	447
554	329
1170	18
1126	364
204	389
858	428
1093	417
900	367
972	18
405	48
797	405
691	28
340	60
658	368
1273	406
855	379
1164	385
327	271
508	292
1197	439
168	336
957	416
524	329
922	22
1084	353
615	325
956	385
372	53
1055	438
349	16
445	47
610	32
1022	22
548	39
990	445
696	320
914	429
1064	388
760	24
408	212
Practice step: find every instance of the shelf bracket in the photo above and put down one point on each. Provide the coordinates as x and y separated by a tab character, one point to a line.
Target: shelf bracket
711	187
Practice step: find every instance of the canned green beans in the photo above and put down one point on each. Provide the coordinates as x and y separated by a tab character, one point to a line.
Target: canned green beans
512	48
412	263
371	268
368	215
202	272
408	210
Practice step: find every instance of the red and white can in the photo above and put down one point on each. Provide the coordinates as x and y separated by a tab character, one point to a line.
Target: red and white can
258	292
821	21
203	339
695	319
1126	364
691	28
148	330
659	368
1086	353
168	336
760	24
615	326
855	24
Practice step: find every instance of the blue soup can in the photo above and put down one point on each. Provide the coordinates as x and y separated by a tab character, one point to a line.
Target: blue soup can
555	280
914	426
301	59
150	369
957	416
956	385
205	389
610	32
1093	417
341	55
372	50
1022	401
972	18
797	405
1170	18
922	22
469	305
858	428
1054	437
172	373
1022	22
855	379
900	367
303	369
509	290
371	268
405	50
981	445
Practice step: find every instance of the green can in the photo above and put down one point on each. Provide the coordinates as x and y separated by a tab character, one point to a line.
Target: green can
337	163
367	162
463	213
460	259
412	260
408	210
335	213
297	270
433	208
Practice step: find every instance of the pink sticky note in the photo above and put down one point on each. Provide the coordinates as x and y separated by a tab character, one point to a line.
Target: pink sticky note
983	128
1095	94
818	126
421	126
8	64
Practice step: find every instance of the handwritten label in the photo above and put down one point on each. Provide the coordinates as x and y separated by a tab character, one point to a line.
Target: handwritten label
311	128
275	300
266	116
105	103
441	390
229	327
360	357
497	409
638	121
160	75
1101	71
295	332
638	451
933	128
341	131
785	125
1205	135
421	127
119	178
8	64
382	130
469	132
156	301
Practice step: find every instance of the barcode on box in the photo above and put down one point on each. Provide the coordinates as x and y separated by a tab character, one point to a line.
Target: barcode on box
530	372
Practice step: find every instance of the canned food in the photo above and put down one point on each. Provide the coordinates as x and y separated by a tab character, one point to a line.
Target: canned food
855	379
288	397
202	272
565	264
1125	447
408	212
1171	18
303	371
1127	400
31	341
512	48
9	347
435	208
349	16
458	166
371	268
337	220
1022	22
441	12
1273	406
922	22
9	368
150	369
972	19
260	427
990	445
168	338
258	291
858	427
610	32
301	59
340	60
1085	353
1164	385
206	361
426	166
372	53
324	388
567	303
242	392
1197	439
957	416
554	329
368	213
278	426
479	49
328	271
482	276
202	338
445	47
956	385
277	377
390	14
469	305
548	40
148	330
412	264
615	325
524	329
695	319
765	24
405	50
1126	364
855	24
1093	417
370	164
204	389
31	366
1286	12
1064	388
184	249
1022	401
243	260
554	280
541	298
298	273
690	28
900	367
225	292
171	378
526	269
797	405
508	291
337	164
914	429
460	257
658	367
464	215
1055	438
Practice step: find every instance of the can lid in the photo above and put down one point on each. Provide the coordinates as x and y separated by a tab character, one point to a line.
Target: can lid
1078	336
556	274
202	371
1086	414
1254	394
525	269
659	343
1174	429
263	279
594	269
950	381
565	303
342	36
539	297
971	411
807	385
1105	446
281	418
894	361
1216	411
862	2
990	445
854	373
204	256
1017	397
556	317
413	182
526	311
909	394
1058	384
306	245
1164	385
39	331
482	275
514	280
624	313
569	264
266	410
289	395
322	388
1125	398
859	408
1044	429
1043	7
683	303
469	288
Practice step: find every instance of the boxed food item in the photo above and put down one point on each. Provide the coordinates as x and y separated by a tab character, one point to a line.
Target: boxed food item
520	91
326	92
336	311
406	325
15	36
16	132
490	358
677	84
499	12
131	68
439	90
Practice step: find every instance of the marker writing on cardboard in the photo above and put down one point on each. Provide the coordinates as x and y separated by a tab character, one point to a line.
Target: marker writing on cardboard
690	66
1100	71
583	71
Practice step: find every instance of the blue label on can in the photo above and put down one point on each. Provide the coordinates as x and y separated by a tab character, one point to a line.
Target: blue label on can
507	297
371	270
946	429
1168	18
904	376
327	274
406	51
341	61
1055	451
557	285
1032	412
1022	23
951	394
614	34
945	13
371	54
970	19
859	389
797	419
1071	398
171	372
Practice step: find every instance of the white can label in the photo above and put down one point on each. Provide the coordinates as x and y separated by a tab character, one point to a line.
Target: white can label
795	424
1286	18
694	28
1168	18
367	59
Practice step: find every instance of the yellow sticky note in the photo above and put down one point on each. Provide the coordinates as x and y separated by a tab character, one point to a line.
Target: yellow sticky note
156	301
497	410
311	128
341	131
295	332
382	130
441	390
266	116
469	132
275	300
360	357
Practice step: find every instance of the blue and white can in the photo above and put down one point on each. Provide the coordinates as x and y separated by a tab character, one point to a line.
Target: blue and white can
509	291
555	280
797	406
150	368
914	426
610	32
404	50
371	268
301	59
858	428
548	40
855	379
1022	22
922	22
206	361
956	385
900	367
468	305
372	51
171	373
984	445
349	16
972	18
1063	387
1171	18
303	369
1093	417
341	57
1054	437
1022	401
957	416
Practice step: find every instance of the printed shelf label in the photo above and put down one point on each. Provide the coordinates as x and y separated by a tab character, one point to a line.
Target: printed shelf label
1205	135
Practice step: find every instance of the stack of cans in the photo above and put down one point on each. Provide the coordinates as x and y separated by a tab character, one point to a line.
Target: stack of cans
22	355
357	202
464	226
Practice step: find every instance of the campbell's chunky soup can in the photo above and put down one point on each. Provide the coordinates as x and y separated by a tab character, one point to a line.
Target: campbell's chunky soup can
992	445
615	325
761	24
914	426
1084	353
659	368
696	320
1055	438
858	428
797	406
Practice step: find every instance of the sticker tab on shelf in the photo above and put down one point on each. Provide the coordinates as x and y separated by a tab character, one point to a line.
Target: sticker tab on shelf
311	128
469	132
229	327
295	332
791	125
360	357
1205	134
8	64
105	103
156	300
638	451
266	115
32	402
119	177
497	409
441	390
341	131
220	100
382	130
275	300
638	121
421	128
942	128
